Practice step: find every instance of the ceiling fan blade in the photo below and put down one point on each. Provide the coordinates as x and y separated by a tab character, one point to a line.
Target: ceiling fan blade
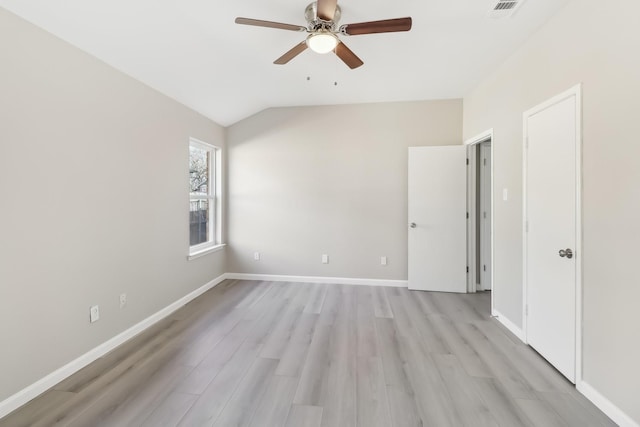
347	56
269	24
295	51
384	26
327	9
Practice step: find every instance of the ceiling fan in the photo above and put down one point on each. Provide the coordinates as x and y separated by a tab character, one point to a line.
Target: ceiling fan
322	25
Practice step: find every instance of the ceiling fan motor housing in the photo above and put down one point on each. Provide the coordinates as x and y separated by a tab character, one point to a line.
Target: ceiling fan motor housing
317	24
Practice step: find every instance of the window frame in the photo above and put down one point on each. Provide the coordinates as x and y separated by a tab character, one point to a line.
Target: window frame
213	196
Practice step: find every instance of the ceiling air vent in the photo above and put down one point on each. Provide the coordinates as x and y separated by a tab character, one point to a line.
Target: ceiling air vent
504	8
505	5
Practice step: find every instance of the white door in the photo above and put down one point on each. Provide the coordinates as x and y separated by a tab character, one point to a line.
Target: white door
437	218
551	150
485	215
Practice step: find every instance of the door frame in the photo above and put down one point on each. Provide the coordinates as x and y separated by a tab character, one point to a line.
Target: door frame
575	91
472	145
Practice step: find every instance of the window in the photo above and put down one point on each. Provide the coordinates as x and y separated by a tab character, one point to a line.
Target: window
204	193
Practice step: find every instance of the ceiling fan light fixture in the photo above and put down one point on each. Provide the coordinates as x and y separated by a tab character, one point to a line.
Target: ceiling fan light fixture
323	42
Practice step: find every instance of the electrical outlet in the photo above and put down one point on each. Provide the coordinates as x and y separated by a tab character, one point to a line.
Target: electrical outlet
383	260
123	300
325	259
256	256
94	313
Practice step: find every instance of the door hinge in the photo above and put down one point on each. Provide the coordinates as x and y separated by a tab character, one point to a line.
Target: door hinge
484	267
484	214
484	162
467	215
467	162
467	269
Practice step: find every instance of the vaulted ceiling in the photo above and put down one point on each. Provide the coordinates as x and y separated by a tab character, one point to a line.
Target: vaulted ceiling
192	51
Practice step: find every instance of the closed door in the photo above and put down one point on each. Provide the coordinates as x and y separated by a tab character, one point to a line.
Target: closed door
437	218
551	150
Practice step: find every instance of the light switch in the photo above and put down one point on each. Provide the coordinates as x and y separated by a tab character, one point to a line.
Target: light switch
94	313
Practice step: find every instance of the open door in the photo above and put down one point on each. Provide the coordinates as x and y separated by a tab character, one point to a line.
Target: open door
437	218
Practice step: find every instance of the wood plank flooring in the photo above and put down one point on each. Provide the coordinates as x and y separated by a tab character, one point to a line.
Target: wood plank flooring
268	354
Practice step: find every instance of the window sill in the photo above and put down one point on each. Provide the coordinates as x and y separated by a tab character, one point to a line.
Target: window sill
207	251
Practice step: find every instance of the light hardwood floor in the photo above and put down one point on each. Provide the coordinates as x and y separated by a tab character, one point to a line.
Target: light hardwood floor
292	354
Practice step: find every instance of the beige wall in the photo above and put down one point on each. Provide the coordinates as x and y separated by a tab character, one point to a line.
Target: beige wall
595	43
313	180
93	202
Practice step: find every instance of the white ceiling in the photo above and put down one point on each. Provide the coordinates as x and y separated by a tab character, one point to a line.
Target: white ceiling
192	51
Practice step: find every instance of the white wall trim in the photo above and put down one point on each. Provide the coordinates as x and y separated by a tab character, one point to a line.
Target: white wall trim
318	279
612	411
484	136
34	390
206	251
515	330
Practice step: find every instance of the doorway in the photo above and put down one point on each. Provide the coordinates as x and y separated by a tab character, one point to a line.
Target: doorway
450	224
480	213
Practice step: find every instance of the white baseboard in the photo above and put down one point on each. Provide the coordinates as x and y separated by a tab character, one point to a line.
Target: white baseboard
606	406
318	279
515	330
34	390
